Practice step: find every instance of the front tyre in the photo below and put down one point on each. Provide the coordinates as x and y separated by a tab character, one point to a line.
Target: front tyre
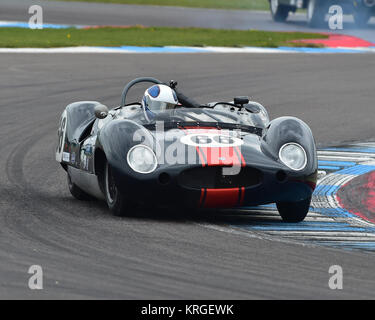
116	201
294	211
279	12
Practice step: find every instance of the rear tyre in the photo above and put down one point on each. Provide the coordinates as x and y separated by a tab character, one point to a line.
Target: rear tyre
361	17
294	211
279	12
76	191
116	201
316	14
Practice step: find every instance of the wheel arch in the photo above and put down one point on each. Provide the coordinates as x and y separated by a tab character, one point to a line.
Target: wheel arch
75	120
290	129
118	137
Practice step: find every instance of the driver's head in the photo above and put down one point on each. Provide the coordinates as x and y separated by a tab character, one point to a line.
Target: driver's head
159	98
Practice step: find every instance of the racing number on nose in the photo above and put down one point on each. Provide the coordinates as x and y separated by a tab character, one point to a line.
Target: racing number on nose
201	139
211	140
61	133
223	140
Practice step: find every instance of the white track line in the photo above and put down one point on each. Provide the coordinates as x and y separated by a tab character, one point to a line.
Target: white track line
177	50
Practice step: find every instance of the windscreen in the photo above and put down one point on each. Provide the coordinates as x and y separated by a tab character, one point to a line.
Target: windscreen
202	115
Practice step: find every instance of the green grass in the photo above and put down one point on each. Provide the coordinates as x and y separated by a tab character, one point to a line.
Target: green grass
141	36
217	4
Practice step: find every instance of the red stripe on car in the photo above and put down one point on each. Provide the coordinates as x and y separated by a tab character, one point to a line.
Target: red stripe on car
243	162
221	156
242	196
201	156
221	198
201	200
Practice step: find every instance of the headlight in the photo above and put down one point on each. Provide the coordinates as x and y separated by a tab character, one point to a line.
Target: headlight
293	156
142	159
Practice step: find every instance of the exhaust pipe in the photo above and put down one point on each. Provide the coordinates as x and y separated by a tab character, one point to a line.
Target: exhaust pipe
369	3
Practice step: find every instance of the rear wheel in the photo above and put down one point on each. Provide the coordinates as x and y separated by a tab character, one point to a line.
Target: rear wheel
294	211
116	201
279	12
76	191
316	13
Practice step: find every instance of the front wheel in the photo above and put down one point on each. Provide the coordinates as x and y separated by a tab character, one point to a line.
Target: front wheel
279	12
116	201
294	211
316	13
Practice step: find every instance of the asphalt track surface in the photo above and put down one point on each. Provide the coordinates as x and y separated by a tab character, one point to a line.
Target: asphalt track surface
87	253
114	14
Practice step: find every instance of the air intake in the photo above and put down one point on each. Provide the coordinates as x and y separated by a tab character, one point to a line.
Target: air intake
213	178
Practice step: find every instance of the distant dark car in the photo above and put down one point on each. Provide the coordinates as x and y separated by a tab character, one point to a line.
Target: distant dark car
317	10
218	155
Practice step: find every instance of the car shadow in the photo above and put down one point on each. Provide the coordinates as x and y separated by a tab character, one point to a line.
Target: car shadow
95	209
236	216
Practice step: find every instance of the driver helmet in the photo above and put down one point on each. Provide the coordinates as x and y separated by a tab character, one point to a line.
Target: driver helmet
158	98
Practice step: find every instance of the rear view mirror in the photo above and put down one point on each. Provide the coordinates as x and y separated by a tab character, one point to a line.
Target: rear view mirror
101	111
240	101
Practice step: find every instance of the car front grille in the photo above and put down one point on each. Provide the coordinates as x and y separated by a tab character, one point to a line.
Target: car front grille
217	178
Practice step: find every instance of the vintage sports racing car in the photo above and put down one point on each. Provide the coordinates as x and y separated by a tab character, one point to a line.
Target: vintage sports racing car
170	151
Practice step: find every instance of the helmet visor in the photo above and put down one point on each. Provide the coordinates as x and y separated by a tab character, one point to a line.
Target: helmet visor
158	106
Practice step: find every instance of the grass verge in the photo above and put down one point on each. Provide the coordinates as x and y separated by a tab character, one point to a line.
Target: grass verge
151	37
214	4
